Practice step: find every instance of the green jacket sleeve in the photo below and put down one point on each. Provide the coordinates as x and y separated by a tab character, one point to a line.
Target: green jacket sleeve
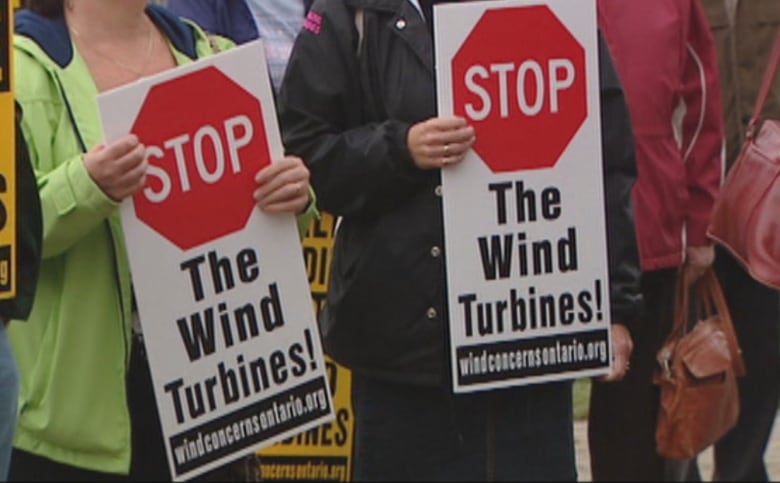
71	202
311	213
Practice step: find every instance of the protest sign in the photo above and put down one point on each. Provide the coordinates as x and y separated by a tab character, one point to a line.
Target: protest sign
221	287
323	453
524	213
8	268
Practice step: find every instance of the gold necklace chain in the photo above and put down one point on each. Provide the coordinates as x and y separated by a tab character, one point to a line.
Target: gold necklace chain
147	57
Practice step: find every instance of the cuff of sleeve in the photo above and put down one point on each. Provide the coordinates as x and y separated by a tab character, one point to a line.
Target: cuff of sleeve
310	213
399	134
81	190
628	312
696	233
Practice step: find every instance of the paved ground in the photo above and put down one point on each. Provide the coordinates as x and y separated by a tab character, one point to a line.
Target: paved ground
705	461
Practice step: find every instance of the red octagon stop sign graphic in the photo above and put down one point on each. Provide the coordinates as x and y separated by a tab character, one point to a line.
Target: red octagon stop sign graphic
205	140
519	78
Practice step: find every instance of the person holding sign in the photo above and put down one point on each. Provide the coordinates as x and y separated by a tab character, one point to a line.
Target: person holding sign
29	247
665	55
358	103
88	409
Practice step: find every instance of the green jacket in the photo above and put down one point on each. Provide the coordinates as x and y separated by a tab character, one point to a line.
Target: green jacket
73	353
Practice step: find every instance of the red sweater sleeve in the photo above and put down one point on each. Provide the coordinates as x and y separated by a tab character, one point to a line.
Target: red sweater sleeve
702	125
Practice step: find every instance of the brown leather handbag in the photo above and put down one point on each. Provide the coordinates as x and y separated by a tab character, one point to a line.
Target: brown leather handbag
746	216
697	373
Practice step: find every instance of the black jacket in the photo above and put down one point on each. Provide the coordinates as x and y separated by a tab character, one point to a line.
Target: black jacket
347	115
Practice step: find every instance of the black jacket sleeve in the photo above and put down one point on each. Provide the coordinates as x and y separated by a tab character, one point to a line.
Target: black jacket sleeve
359	168
28	233
620	172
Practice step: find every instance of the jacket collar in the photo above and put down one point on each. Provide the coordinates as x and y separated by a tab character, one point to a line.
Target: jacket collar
53	38
49	42
385	5
416	4
410	25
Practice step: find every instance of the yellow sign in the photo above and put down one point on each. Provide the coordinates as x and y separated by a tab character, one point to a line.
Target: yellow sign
323	453
7	158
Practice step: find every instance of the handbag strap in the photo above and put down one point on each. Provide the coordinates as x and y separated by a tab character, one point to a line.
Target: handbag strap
709	290
769	78
681	306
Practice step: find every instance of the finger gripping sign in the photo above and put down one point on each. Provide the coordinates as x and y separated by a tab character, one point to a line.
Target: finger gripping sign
524	220
221	287
525	96
199	159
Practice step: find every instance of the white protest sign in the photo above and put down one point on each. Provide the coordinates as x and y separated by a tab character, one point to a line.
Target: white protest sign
524	213
221	287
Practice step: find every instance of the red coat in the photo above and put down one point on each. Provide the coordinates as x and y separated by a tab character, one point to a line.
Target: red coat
666	58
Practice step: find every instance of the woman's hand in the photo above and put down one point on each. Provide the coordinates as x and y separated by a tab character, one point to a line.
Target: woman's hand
283	186
119	168
440	141
697	261
622	347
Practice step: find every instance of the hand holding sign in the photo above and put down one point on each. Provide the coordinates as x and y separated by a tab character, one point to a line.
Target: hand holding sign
220	286
526	96
440	141
622	347
119	168
283	186
524	222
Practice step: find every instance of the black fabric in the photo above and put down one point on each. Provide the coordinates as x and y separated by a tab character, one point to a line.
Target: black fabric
623	415
427	10
30	467
407	433
28	233
149	462
755	310
620	173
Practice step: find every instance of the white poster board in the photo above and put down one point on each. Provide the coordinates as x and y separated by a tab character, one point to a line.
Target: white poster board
221	287
524	214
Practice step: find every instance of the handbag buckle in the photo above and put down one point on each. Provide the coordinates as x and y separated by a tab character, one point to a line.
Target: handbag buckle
664	359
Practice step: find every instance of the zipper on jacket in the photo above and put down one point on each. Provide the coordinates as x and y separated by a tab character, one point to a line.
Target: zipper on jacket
69	110
83	147
114	252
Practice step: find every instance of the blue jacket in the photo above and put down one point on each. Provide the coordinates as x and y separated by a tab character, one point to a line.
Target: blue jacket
229	18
